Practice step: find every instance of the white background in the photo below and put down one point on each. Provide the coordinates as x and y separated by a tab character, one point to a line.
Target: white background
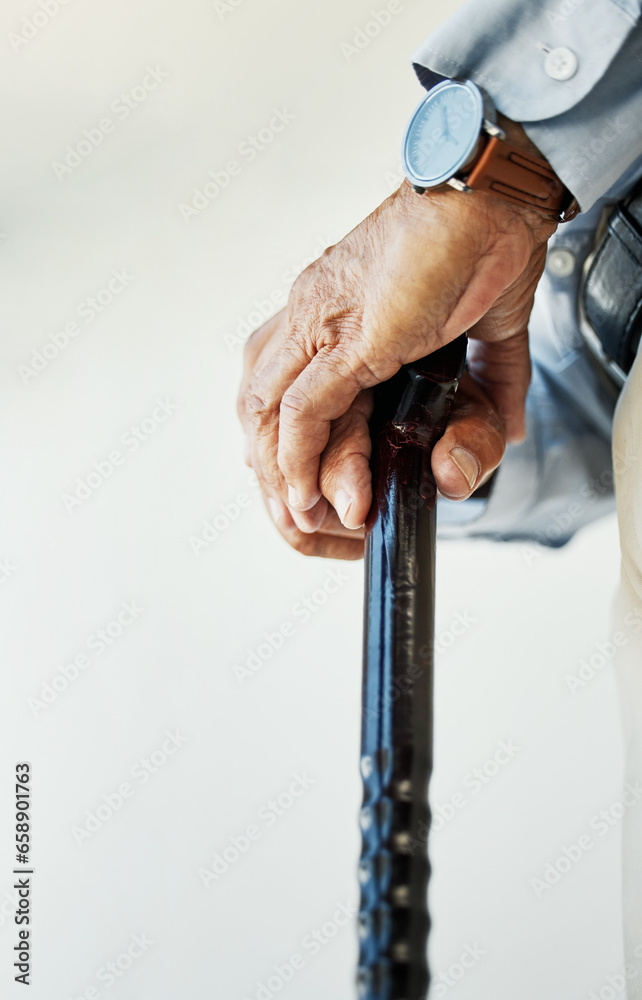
164	336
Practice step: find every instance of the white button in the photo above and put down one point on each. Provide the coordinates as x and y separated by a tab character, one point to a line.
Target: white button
560	64
560	262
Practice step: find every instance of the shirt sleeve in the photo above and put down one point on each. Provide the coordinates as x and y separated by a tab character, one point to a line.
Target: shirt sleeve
569	70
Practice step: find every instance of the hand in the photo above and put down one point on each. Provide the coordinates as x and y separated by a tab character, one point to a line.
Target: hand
463	459
413	276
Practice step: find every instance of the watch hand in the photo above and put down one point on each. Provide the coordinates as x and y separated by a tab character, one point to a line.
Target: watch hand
446	130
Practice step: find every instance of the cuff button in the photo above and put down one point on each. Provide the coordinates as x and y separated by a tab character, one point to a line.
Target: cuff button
560	64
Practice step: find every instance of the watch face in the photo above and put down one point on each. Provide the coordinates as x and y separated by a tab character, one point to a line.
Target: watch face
442	133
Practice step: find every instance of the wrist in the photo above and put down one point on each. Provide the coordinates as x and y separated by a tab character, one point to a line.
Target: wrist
479	216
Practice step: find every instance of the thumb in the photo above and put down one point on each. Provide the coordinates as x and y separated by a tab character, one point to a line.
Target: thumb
503	368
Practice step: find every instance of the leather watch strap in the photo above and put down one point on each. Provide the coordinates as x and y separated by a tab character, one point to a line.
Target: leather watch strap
509	172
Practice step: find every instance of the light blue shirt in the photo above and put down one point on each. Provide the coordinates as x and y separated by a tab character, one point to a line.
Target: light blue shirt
571	72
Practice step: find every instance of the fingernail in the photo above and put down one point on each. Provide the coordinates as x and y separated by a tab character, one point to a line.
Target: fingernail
276	508
467	465
308	523
294	497
342	504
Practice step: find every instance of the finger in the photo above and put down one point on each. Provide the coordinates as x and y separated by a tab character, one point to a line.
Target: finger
323	362
273	374
259	414
273	484
322	393
310	520
261	454
472	445
332	541
344	474
263	342
256	343
331	525
503	368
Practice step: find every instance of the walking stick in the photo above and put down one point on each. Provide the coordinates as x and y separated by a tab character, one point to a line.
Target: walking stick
410	415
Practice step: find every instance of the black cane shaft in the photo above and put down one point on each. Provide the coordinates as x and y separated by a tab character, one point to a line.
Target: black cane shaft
411	412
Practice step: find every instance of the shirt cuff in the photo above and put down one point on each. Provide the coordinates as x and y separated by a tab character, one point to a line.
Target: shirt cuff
556	73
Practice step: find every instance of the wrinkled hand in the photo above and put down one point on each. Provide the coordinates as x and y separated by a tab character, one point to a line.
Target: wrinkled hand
411	277
463	459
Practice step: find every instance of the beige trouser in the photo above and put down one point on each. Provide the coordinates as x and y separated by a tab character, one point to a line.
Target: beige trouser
627	462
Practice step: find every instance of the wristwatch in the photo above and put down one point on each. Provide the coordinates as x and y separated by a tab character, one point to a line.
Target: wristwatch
452	138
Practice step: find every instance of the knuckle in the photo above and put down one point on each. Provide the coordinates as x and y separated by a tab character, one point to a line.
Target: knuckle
295	402
491	437
335	465
258	410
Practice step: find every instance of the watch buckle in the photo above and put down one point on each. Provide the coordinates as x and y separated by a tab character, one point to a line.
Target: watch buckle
459	185
493	130
570	212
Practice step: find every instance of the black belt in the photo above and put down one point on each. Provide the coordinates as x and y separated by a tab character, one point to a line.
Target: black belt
611	290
